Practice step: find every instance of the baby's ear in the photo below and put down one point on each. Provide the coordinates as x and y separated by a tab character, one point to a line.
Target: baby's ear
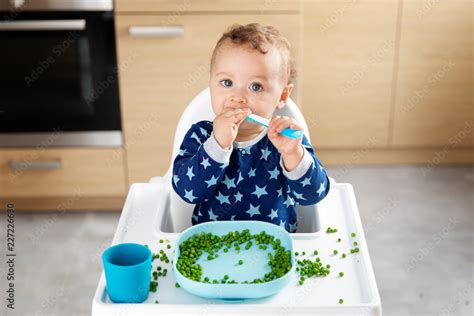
285	95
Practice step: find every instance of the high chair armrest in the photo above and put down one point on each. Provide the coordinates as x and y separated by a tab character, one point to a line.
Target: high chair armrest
159	179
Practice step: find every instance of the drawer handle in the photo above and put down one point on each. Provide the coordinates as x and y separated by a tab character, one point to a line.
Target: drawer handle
44	25
36	165
156	31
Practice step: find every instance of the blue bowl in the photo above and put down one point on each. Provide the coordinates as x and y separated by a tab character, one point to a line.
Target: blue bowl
254	266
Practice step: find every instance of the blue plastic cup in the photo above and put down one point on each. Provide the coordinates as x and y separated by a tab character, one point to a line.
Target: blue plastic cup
127	272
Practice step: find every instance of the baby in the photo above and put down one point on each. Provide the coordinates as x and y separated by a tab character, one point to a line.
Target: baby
233	169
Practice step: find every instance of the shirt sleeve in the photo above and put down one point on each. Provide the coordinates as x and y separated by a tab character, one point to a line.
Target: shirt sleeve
308	183
200	164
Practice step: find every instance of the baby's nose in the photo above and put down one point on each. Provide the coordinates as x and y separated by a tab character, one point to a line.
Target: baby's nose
238	99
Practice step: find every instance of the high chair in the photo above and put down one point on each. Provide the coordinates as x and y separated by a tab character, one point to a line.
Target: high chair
153	211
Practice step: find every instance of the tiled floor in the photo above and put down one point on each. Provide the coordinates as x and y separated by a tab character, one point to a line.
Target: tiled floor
418	222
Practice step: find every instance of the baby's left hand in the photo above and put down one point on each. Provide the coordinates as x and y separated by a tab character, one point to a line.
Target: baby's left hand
285	145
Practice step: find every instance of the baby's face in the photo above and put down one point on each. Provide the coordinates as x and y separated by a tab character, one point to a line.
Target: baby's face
242	77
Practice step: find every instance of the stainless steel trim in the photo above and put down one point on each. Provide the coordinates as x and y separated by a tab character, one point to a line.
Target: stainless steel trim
44	25
156	31
56	5
36	165
63	139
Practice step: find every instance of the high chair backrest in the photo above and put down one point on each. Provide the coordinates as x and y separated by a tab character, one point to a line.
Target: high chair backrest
200	109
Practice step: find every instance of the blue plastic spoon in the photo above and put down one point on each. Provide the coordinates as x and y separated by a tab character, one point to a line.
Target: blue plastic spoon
288	132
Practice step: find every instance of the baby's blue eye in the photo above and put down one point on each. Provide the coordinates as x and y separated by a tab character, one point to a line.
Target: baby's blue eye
256	87
226	83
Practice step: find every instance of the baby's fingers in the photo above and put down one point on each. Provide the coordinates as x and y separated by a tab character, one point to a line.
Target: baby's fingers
296	126
282	124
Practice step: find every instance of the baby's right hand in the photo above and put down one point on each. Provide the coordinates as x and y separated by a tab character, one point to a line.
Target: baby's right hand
226	126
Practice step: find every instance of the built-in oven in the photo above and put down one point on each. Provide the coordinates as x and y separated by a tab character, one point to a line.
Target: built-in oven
58	74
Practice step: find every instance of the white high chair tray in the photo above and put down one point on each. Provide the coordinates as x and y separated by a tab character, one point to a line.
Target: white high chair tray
140	222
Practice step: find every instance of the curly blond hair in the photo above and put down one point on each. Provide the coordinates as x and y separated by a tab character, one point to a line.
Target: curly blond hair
260	38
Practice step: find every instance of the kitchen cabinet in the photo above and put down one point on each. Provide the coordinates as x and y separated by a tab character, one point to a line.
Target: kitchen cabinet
434	101
366	65
358	62
62	179
348	55
159	75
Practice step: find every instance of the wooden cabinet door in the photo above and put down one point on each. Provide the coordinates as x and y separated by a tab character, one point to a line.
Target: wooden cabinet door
348	53
434	95
159	76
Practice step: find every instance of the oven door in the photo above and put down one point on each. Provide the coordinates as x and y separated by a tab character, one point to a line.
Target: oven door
58	76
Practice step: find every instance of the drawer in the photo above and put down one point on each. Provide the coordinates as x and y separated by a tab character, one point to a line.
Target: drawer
45	173
174	7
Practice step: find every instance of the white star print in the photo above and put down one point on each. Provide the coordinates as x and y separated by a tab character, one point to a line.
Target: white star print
223	198
212	216
282	224
252	172
229	182
205	163
182	152
195	218
203	132
321	189
253	210
274	173
260	191
273	214
194	135
293	227
265	153
238	197
212	181
190	173
306	181
240	177
289	201
175	179
299	196
189	195
280	192
232	217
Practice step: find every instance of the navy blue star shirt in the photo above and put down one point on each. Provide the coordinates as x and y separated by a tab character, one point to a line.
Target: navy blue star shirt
247	182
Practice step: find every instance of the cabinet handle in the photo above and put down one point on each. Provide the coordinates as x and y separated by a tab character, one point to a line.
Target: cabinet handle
156	31
44	25
36	165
